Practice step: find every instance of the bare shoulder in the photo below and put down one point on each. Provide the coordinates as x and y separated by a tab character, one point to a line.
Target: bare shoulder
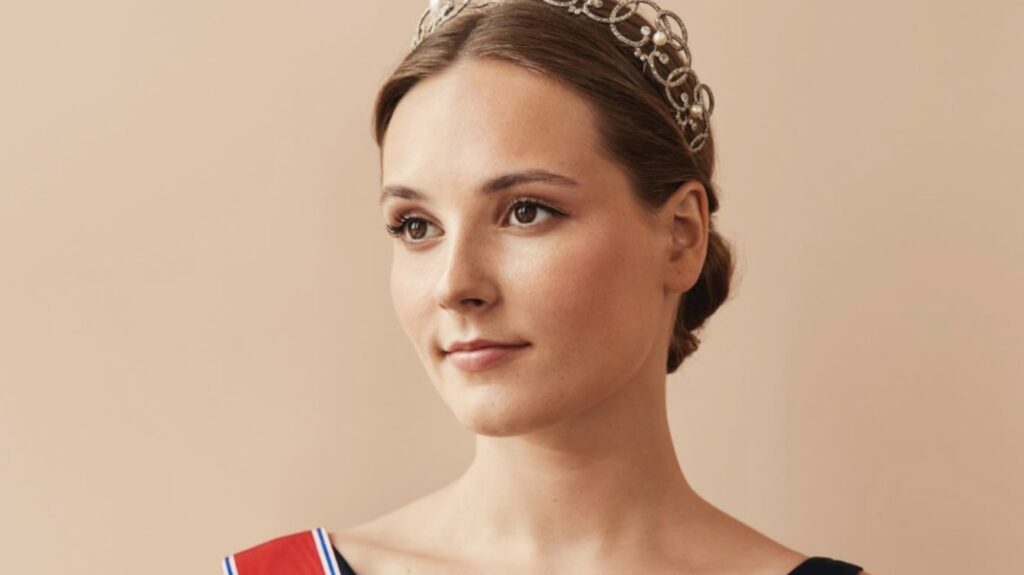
756	552
384	556
730	545
368	548
779	561
391	543
366	554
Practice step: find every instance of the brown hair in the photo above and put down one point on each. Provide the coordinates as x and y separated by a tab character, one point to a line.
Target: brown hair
635	124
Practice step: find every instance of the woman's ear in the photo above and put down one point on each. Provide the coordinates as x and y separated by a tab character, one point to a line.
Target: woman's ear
687	221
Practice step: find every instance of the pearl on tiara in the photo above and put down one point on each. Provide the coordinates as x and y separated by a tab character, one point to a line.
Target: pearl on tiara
693	117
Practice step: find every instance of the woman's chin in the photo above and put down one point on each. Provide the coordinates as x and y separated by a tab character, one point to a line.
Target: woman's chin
503	418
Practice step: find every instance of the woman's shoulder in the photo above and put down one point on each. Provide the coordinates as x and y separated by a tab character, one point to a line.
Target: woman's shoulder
373	548
307	552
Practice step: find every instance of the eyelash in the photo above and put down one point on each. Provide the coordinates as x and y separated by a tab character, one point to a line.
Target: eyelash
398	230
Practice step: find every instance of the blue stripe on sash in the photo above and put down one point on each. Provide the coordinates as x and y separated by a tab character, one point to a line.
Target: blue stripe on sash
326	549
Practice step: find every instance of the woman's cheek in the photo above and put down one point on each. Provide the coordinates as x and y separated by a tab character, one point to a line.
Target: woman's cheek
406	293
567	281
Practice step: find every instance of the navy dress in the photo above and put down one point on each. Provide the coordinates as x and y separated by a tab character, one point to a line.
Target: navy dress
812	566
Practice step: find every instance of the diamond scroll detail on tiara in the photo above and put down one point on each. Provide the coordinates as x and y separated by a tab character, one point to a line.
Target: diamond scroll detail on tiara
692	109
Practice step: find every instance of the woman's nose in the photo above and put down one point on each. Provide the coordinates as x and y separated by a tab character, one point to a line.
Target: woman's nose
466	282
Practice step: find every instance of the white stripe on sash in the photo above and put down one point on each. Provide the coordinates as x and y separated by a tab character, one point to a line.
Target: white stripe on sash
228	565
326	552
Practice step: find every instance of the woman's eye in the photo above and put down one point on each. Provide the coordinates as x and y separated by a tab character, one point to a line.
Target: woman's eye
413	229
409	227
525	211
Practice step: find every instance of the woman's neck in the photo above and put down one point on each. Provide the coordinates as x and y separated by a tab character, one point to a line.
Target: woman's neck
604	478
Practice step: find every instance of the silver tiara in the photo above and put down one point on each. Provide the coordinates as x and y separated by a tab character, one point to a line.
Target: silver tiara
692	111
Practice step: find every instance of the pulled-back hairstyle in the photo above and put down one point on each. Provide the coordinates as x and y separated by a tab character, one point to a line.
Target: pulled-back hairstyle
635	124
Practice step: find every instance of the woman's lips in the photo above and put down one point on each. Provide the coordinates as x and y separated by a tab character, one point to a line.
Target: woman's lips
484	357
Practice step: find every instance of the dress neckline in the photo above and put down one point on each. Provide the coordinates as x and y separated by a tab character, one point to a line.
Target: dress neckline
816	565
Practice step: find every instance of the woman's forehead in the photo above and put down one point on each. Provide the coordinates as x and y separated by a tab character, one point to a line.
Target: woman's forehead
488	113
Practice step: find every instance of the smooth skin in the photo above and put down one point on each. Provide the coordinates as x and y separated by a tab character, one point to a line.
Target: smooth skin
574	470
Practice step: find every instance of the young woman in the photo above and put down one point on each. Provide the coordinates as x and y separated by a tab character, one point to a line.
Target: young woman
547	178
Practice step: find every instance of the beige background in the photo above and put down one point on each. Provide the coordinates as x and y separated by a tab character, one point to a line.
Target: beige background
198	351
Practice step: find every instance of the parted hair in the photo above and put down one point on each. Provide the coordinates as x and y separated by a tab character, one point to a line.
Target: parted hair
634	122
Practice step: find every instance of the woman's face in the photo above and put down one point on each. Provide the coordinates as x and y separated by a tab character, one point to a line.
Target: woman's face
561	261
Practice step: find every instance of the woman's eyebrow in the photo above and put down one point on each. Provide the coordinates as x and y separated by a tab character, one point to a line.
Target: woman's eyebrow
496	184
